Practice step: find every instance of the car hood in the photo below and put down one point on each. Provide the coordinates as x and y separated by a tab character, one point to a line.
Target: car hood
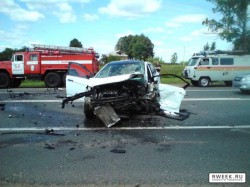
114	79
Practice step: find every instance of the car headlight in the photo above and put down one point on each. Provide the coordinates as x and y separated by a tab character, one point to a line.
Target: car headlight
243	79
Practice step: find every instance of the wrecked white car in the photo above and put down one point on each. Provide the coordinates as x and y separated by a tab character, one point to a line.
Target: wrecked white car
122	89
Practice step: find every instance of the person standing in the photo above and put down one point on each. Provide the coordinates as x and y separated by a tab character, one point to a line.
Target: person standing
158	67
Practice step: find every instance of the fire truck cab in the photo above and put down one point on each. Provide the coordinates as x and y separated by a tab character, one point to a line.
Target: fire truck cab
49	63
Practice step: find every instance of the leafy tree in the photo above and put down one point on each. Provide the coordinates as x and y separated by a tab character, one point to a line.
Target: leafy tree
206	47
75	43
155	59
174	58
7	53
233	24
104	59
136	47
213	46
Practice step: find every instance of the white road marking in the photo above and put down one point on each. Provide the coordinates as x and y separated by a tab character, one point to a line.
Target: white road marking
34	129
185	99
205	90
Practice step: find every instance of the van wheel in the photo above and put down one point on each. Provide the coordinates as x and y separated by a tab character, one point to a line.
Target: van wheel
52	80
4	80
204	82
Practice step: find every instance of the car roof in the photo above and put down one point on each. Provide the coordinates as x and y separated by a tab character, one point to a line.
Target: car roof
126	61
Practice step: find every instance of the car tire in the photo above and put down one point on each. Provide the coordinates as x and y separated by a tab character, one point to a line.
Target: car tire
4	80
204	82
52	80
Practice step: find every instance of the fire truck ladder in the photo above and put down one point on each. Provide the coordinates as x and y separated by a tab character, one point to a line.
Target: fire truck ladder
52	48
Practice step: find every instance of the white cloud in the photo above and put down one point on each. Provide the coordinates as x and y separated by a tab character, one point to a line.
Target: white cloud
90	17
127	33
65	13
157	43
189	18
153	30
17	13
62	9
173	25
130	8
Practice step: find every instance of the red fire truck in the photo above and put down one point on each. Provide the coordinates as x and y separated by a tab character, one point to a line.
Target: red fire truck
49	63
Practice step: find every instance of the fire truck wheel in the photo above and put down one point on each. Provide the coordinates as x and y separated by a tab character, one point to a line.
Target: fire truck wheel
52	80
204	81
4	80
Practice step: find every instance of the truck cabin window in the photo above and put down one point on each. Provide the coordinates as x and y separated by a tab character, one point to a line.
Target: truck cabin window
33	57
19	58
192	61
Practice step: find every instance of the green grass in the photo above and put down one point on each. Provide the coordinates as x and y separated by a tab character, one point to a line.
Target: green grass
32	84
172	69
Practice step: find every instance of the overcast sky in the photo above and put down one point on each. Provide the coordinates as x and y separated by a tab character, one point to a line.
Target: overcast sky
171	25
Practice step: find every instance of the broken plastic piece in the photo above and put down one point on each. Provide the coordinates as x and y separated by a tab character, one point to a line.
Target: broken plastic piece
107	115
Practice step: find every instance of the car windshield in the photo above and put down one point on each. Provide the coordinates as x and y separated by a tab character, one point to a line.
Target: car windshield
192	61
121	68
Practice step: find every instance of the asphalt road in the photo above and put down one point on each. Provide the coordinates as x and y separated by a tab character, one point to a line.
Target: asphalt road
143	151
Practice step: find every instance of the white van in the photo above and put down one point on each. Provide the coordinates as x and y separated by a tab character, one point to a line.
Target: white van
202	70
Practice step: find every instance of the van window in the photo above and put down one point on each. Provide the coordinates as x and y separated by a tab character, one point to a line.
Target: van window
226	61
215	61
204	62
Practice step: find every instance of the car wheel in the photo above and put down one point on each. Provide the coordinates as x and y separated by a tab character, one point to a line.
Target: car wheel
204	82
52	80
4	80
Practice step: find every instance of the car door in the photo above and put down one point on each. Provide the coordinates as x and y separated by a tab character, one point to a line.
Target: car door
77	79
171	97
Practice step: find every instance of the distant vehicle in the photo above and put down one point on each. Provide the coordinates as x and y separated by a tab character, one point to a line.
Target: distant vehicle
242	82
123	88
46	62
203	69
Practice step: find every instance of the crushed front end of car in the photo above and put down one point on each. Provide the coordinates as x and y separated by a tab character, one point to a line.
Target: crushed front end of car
112	100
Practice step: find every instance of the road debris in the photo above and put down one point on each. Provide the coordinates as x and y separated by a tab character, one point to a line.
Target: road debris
49	146
51	132
118	151
2	106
